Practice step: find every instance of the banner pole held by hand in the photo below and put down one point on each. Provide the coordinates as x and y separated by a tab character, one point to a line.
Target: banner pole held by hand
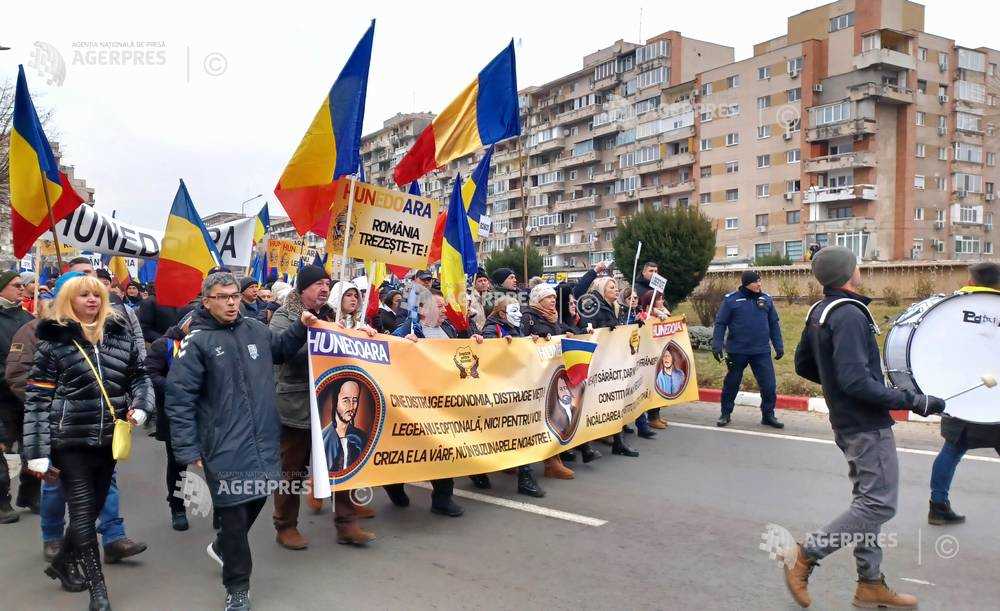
635	267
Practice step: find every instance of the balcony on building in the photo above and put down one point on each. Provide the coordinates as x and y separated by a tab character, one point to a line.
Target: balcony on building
607	222
886	92
561	249
625	197
552	144
885	48
820	222
603	129
851	127
842	161
579	203
579	114
552	187
822	195
572	161
606	175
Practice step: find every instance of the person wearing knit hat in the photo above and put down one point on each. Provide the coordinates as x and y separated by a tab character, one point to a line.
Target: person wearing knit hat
504	279
250	305
839	350
746	327
309	275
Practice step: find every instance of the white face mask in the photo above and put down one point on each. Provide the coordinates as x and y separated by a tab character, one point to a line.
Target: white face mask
514	314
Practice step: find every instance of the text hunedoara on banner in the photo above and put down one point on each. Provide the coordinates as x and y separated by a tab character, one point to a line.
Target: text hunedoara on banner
91	230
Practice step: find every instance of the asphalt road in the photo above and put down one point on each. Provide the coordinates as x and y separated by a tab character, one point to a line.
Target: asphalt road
682	526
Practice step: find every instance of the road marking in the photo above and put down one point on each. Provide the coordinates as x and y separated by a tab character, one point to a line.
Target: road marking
920	581
685	425
520	506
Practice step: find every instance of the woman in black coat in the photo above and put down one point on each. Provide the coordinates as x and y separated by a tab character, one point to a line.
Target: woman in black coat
83	345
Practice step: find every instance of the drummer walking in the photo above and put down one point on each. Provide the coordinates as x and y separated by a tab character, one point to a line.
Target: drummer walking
839	350
960	435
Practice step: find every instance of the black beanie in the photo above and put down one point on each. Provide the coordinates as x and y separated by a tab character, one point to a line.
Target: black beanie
481	273
749	277
246	282
310	274
103	274
500	274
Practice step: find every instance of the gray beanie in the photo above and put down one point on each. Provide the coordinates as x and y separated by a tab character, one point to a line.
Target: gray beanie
833	266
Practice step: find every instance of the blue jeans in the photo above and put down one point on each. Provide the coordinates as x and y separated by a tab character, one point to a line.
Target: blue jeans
110	525
944	470
763	369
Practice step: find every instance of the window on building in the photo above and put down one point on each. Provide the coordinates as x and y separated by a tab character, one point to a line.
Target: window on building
761	220
572	174
856	241
987	248
795	65
943	59
972	153
792	217
991	159
793	186
921	86
732	223
841	22
733	81
732	139
830	113
764	72
704	198
918	181
793	250
706	171
921	117
653	50
706	89
652	77
764	190
970	92
732	251
922	53
763	131
732	167
793	155
941	183
794	94
763	101
965	245
763	161
843	212
968	122
973	183
971	60
761	250
991	69
921	149
942	153
705	144
918	214
732	195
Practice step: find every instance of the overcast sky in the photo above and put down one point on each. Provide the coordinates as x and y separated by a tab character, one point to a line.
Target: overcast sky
236	84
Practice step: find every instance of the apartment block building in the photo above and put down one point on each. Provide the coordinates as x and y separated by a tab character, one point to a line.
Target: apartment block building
856	127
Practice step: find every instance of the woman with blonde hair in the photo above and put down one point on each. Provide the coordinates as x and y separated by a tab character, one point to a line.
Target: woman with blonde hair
88	373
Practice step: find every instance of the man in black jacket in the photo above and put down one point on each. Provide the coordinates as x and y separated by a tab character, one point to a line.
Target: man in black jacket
839	350
642	287
12	318
221	401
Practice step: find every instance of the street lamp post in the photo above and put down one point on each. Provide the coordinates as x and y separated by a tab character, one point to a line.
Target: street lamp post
244	203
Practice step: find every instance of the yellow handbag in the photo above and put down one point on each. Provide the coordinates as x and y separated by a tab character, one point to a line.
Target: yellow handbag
121	439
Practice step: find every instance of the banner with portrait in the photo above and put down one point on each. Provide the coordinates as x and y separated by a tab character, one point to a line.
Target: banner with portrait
284	254
388	410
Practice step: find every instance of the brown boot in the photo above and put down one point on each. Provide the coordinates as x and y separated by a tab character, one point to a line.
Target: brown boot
872	594
364	512
797	577
314	503
555	468
352	534
291	538
657	423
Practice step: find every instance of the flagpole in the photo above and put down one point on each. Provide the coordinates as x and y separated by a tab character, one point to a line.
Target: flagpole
347	230
635	267
52	221
38	279
524	206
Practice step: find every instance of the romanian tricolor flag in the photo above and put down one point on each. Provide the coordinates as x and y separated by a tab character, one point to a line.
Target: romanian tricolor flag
35	180
378	274
485	113
331	147
474	200
262	226
118	268
186	255
577	355
458	259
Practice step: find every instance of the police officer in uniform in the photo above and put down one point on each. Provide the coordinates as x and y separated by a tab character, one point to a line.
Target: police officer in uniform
747	326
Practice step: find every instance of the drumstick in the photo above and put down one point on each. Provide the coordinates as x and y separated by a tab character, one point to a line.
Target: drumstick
987	380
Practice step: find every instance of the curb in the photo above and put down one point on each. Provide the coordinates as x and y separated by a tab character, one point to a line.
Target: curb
802	404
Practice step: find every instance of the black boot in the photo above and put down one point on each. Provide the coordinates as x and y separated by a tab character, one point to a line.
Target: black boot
397	495
645	431
481	481
941	514
568	456
7	513
628	430
90	559
770	420
618	447
65	569
589	453
526	483
723	420
447	508
179	520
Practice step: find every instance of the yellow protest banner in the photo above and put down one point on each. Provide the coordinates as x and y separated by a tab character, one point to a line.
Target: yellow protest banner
388	410
284	255
47	248
386	225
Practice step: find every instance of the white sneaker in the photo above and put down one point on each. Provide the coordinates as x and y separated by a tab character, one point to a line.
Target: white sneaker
213	553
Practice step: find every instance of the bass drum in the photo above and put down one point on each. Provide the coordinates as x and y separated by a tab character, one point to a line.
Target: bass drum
942	346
